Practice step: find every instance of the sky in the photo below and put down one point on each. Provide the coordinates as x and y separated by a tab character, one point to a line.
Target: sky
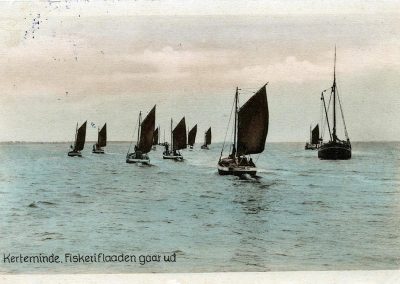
63	62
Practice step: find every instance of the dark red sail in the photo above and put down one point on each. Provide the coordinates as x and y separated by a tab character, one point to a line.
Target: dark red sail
315	135
208	137
102	139
80	137
179	136
146	131
192	135
253	119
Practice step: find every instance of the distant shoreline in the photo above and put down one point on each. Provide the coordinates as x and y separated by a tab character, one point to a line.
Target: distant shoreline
218	142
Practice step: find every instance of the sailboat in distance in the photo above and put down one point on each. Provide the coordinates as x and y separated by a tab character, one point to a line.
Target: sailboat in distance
207	139
334	149
144	139
178	142
101	140
80	136
156	137
250	133
192	136
314	139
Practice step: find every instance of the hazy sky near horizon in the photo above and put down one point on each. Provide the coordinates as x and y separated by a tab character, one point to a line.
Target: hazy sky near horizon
104	61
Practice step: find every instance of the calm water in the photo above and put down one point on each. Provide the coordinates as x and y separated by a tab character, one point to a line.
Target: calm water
302	214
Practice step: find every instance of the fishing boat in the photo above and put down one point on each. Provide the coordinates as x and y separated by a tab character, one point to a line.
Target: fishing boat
207	139
334	149
80	136
101	140
250	132
155	137
144	140
192	136
178	142
314	139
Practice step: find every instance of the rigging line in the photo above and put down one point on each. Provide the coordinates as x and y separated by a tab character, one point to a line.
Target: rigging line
341	111
133	135
227	129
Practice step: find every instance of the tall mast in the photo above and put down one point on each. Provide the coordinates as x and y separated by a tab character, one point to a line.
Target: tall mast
138	131
171	136
234	135
98	136
76	134
334	98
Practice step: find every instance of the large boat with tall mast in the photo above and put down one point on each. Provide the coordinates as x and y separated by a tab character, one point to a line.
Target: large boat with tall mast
101	140
313	144
250	132
207	139
334	149
178	142
144	140
80	137
192	136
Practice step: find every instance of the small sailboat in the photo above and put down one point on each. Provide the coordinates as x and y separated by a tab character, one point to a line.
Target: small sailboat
101	140
314	139
144	139
155	137
334	149
192	136
250	133
178	142
80	136
207	139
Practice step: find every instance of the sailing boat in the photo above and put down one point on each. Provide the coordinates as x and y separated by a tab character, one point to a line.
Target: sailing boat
144	139
250	132
192	136
334	149
80	136
314	139
155	137
101	140
207	139
178	142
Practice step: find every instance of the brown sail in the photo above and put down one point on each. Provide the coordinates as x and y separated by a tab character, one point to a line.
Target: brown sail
146	131
80	137
179	136
192	135
102	138
315	135
253	119
208	137
155	137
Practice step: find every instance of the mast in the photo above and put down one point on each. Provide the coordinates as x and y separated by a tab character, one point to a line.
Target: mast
334	98
76	134
235	127
98	135
171	136
138	132
310	135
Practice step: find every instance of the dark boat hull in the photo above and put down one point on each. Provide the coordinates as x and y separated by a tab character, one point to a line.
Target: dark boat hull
205	147
227	166
74	154
334	151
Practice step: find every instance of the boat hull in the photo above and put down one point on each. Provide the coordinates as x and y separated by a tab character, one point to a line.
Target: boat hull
309	146
138	161
237	170
334	151
98	151
173	157
74	154
205	147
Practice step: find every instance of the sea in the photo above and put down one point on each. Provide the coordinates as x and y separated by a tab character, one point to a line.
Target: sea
299	213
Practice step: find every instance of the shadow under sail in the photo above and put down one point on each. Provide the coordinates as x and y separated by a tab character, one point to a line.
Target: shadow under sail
334	149
80	136
207	139
101	140
178	142
192	136
144	141
250	133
